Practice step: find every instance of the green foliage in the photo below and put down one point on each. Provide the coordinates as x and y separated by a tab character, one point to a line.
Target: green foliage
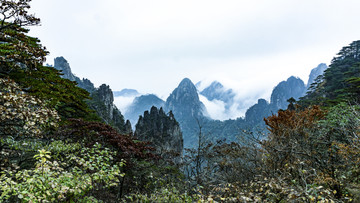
310	155
17	50
71	178
340	82
45	83
21	58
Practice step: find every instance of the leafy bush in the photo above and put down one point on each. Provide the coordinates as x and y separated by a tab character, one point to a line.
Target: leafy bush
71	178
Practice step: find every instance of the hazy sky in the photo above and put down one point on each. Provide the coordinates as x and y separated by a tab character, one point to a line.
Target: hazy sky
151	45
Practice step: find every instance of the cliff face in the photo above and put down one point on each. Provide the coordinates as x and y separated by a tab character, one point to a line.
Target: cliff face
105	95
103	103
292	87
60	63
162	131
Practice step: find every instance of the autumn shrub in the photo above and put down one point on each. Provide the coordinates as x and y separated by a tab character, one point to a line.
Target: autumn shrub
325	143
90	132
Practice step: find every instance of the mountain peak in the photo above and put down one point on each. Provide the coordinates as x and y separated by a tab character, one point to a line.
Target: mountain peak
186	82
292	87
216	85
216	91
61	64
126	93
184	101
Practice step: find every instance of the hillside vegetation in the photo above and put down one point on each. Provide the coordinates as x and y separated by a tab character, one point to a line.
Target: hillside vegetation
54	148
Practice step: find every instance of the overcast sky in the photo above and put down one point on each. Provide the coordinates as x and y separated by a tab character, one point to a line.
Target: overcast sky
151	45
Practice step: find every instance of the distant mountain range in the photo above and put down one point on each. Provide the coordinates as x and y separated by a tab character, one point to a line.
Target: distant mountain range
185	105
140	105
191	113
126	93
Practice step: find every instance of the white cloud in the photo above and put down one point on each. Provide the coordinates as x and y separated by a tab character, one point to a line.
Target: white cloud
122	103
215	108
150	46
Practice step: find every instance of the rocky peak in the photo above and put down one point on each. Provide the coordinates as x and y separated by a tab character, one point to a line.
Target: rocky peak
216	91
128	128
106	95
184	101
187	84
256	113
292	87
213	91
102	103
162	131
61	64
315	72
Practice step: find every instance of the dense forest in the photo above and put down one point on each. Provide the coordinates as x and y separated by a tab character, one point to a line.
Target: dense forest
55	146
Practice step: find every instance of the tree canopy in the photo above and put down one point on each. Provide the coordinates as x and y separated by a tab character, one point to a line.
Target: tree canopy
340	81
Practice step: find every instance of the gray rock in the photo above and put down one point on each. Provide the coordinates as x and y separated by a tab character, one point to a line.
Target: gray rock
103	104
163	131
292	87
184	101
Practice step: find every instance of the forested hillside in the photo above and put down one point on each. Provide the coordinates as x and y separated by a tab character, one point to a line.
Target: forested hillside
55	148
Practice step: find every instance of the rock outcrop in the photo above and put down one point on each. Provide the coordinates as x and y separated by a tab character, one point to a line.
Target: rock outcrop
61	64
163	131
102	101
103	104
292	87
256	113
